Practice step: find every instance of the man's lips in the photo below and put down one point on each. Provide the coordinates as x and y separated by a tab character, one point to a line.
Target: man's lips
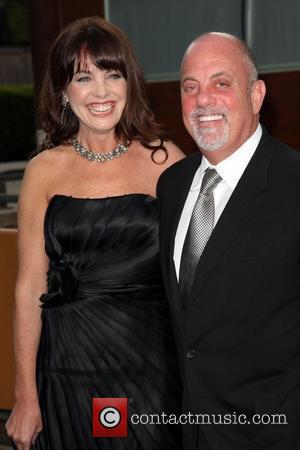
206	115
210	118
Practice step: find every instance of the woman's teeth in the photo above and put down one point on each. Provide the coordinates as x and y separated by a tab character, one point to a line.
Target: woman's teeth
101	107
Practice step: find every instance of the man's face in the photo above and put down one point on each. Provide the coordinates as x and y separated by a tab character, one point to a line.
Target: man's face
219	105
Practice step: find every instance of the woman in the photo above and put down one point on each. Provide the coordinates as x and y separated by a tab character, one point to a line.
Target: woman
104	329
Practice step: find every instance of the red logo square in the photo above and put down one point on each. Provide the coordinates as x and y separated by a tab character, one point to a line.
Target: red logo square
110	417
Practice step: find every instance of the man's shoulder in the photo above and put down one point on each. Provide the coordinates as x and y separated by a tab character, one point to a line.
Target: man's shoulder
187	163
285	166
174	173
286	156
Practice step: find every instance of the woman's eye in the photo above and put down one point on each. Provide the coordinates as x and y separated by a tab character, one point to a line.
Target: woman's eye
114	75
82	79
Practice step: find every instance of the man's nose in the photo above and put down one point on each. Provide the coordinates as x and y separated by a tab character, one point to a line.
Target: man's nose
205	98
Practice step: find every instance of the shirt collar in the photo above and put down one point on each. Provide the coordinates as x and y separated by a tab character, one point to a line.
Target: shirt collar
231	168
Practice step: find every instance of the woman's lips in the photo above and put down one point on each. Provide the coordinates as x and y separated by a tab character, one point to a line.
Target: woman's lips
101	107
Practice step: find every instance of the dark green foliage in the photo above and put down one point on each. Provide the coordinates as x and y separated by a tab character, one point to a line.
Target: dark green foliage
15	23
18	21
17	122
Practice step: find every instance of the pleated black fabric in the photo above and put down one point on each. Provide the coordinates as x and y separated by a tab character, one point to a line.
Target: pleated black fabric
106	330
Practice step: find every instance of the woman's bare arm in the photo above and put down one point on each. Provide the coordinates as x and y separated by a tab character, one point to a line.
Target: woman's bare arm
25	421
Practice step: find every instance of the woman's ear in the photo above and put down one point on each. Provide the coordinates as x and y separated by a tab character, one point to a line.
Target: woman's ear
65	99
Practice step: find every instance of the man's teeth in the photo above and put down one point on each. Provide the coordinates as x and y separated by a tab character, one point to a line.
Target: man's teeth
101	108
210	118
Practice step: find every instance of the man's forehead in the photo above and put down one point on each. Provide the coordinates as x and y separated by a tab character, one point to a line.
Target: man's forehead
193	76
213	63
209	64
213	48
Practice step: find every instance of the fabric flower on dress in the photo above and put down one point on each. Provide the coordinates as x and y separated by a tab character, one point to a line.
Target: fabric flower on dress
62	285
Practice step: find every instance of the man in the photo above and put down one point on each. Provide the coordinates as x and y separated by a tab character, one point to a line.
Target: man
230	244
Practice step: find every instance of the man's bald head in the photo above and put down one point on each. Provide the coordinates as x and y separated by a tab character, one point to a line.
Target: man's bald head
220	93
241	46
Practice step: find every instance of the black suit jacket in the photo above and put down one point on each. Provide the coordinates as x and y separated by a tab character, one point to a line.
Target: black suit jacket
238	335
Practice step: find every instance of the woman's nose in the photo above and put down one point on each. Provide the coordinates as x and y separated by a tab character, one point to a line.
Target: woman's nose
101	89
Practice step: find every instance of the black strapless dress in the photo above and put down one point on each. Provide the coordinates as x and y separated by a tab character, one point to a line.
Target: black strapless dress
106	330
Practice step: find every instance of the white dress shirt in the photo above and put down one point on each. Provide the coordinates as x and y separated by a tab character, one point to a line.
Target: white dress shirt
230	170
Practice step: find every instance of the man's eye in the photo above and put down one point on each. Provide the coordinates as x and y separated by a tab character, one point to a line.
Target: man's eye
223	84
189	88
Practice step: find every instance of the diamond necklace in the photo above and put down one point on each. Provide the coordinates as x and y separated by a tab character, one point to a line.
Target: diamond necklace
99	157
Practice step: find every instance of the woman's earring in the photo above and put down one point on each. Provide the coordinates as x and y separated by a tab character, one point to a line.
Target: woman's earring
65	103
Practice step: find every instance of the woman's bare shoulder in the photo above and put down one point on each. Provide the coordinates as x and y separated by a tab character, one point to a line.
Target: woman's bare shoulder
49	161
43	167
56	155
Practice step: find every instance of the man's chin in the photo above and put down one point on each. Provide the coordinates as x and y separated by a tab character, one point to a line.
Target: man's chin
209	140
209	145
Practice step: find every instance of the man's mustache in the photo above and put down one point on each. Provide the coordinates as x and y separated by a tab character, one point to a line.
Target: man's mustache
208	112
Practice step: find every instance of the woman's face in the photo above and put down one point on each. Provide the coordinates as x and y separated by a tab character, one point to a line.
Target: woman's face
97	97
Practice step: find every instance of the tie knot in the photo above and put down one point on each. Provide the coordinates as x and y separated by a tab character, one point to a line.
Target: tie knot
210	181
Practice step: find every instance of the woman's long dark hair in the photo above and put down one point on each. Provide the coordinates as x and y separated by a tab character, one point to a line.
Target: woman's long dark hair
109	49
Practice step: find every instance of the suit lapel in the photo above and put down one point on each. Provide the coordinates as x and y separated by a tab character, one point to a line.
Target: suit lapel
180	191
240	208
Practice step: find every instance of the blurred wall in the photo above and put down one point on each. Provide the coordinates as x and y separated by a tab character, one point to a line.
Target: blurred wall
279	113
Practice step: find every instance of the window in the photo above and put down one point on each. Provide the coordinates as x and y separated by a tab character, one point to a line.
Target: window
161	30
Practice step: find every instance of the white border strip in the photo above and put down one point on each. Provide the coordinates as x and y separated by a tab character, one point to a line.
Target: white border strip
248	22
107	9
